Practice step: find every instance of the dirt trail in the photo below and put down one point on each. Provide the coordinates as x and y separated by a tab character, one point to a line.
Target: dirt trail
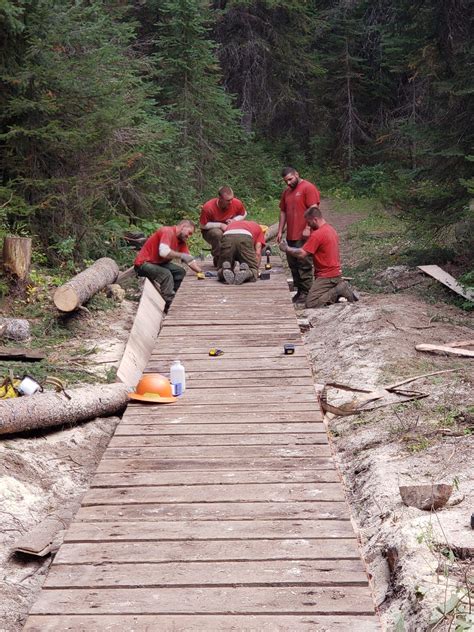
367	344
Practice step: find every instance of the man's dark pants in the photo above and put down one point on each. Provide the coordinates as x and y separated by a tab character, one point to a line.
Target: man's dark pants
301	269
167	275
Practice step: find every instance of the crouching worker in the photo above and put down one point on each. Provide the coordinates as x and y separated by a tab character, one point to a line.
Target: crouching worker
241	252
155	259
323	244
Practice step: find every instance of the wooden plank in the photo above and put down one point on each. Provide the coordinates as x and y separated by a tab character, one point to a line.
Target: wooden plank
443	349
237	396
199	409
162	430
247	492
208	512
203	623
223	363
190	440
449	281
141	464
272	351
208	551
174	415
142	336
141	479
20	353
276	572
300	600
223	452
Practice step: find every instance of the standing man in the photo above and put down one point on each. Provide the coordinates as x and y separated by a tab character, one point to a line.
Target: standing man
216	214
323	245
155	259
241	252
295	199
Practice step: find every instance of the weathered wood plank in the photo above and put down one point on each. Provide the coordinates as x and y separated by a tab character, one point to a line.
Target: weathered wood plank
223	452
208	551
210	409
174	415
139	479
275	573
248	492
307	600
109	464
160	440
206	512
162	430
203	623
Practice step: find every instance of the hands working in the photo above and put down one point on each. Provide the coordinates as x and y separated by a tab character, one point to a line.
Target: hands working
283	245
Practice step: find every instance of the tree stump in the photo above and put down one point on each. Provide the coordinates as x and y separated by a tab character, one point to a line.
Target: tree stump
84	285
17	256
45	410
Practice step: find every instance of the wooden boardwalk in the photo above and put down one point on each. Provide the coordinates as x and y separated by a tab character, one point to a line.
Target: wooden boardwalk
223	511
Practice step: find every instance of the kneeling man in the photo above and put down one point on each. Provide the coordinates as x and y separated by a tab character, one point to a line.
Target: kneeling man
323	244
241	252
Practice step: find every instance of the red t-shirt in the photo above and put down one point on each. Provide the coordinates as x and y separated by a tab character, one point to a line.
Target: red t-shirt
150	249
253	228
323	244
294	203
211	212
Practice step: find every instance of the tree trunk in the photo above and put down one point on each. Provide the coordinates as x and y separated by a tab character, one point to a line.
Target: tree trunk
17	256
14	328
83	286
45	410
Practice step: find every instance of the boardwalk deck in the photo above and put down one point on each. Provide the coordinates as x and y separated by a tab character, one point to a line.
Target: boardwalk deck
222	511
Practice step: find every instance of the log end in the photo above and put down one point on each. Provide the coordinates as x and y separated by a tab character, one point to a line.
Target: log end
66	299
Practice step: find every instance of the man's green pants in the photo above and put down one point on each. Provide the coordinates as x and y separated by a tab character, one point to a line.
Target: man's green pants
236	247
167	275
301	269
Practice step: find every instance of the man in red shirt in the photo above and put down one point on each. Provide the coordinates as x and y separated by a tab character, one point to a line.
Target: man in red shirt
155	259
216	215
323	245
295	199
241	252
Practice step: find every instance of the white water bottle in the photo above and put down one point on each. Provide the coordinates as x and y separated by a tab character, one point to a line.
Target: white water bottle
178	378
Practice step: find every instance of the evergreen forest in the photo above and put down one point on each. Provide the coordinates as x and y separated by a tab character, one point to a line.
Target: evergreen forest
132	113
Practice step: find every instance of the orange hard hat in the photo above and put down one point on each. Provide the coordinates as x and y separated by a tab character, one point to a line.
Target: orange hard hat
154	388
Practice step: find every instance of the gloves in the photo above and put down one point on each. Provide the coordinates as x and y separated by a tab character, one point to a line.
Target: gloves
283	245
187	258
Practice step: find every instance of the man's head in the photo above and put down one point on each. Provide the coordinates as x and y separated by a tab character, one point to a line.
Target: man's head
185	229
290	176
314	217
225	197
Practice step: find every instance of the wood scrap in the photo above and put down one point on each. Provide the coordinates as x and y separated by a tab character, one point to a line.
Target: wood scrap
84	285
446	279
43	538
418	377
48	409
19	353
446	350
461	343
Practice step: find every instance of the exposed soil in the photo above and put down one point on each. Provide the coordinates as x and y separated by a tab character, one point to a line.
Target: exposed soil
413	556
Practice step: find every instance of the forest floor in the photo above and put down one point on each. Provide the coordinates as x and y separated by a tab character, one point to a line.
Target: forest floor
364	344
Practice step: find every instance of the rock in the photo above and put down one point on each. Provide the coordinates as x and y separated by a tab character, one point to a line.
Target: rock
116	292
427	497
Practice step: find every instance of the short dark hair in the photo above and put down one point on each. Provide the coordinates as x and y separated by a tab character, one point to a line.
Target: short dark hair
313	212
187	221
287	170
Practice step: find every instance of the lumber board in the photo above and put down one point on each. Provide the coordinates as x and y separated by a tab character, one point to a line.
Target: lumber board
236	599
190	479
443	349
449	281
203	623
208	551
141	464
273	573
249	492
223	452
251	512
226	439
250	396
210	409
174	415
162	430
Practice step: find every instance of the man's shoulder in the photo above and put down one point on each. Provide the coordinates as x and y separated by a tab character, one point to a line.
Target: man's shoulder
210	203
306	184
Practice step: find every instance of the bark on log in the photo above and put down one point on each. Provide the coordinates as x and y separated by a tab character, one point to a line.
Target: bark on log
17	256
14	328
84	285
271	232
46	410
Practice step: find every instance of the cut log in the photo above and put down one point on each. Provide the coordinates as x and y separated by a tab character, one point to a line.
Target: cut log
45	410
83	286
17	256
14	328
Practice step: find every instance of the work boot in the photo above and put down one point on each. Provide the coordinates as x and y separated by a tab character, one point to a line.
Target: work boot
344	290
243	275
227	273
299	297
237	267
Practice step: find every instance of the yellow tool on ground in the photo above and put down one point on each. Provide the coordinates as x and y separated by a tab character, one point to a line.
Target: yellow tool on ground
216	352
8	387
200	275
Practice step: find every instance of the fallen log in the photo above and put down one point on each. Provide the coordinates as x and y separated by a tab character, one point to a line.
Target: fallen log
48	409
84	285
17	256
14	328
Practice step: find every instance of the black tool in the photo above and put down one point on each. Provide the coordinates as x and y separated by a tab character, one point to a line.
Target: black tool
268	252
289	349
